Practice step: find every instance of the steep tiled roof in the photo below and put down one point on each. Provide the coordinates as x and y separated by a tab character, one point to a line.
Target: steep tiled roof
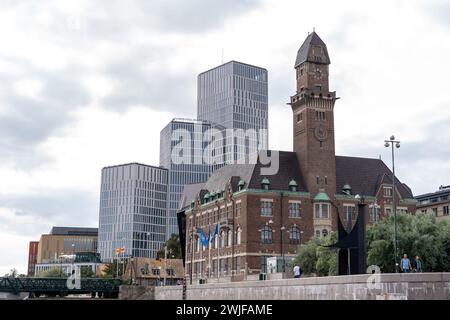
304	53
365	175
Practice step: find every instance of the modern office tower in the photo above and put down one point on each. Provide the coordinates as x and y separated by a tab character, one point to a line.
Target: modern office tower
190	150
132	210
234	95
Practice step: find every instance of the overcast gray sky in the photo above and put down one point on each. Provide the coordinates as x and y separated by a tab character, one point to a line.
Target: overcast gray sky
86	84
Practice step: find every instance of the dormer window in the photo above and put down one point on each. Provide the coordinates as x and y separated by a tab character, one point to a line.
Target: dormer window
293	185
265	183
241	185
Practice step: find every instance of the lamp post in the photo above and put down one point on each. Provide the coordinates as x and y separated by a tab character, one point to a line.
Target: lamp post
73	257
391	143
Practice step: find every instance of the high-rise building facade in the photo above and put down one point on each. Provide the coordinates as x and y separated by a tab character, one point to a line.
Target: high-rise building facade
190	150
235	96
132	210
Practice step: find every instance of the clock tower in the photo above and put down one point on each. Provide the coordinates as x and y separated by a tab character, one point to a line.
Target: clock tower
313	119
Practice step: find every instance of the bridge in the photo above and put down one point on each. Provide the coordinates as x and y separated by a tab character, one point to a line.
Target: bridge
106	288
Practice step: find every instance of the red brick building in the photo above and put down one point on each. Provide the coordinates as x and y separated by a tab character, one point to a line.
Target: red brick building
32	257
261	216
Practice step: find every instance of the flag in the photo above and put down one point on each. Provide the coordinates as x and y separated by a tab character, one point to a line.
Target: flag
216	232
203	237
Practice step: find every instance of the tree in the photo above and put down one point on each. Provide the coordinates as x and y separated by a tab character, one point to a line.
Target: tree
54	272
86	272
315	258
417	234
173	248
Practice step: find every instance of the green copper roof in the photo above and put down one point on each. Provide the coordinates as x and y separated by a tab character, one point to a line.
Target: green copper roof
293	183
241	182
213	194
265	181
206	196
321	196
346	187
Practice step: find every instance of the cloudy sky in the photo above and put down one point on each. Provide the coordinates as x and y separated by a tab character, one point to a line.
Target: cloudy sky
86	84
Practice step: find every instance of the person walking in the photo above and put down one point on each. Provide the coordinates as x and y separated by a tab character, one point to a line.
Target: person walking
297	271
417	264
405	264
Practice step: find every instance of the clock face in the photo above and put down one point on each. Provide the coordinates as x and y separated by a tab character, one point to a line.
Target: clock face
321	133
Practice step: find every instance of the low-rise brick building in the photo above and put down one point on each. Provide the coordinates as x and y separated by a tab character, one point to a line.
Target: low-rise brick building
260	215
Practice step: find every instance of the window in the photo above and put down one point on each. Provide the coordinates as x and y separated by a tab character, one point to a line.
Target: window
294	235
294	209
266	207
374	213
320	115
230	238
322	211
388	211
155	272
198	245
387	192
434	210
238	209
301	71
266	235
299	116
170	272
445	208
222	239
349	211
317	233
238	235
324	232
318	88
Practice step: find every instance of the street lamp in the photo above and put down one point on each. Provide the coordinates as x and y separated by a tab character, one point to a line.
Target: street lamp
282	228
391	143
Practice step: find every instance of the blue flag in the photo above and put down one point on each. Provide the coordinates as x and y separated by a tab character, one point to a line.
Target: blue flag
216	232
203	237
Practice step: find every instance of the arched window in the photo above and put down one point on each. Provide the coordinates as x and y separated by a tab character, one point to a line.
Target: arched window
294	235
222	239
266	235
230	238
238	235
324	232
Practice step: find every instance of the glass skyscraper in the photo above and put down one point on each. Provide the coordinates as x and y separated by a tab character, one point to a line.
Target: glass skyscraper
184	152
234	95
132	210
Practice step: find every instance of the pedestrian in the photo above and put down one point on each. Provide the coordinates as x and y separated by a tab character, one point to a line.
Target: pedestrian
297	271
417	264
405	264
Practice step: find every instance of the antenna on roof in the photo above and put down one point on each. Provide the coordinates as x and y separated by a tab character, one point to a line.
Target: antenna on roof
314	29
222	55
379	156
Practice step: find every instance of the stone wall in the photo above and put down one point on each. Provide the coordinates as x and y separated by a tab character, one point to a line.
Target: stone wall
391	286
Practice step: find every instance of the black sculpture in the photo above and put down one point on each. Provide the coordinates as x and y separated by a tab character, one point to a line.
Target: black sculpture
352	245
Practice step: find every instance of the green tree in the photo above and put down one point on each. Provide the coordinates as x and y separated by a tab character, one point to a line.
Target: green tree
315	258
86	272
52	273
417	234
173	248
